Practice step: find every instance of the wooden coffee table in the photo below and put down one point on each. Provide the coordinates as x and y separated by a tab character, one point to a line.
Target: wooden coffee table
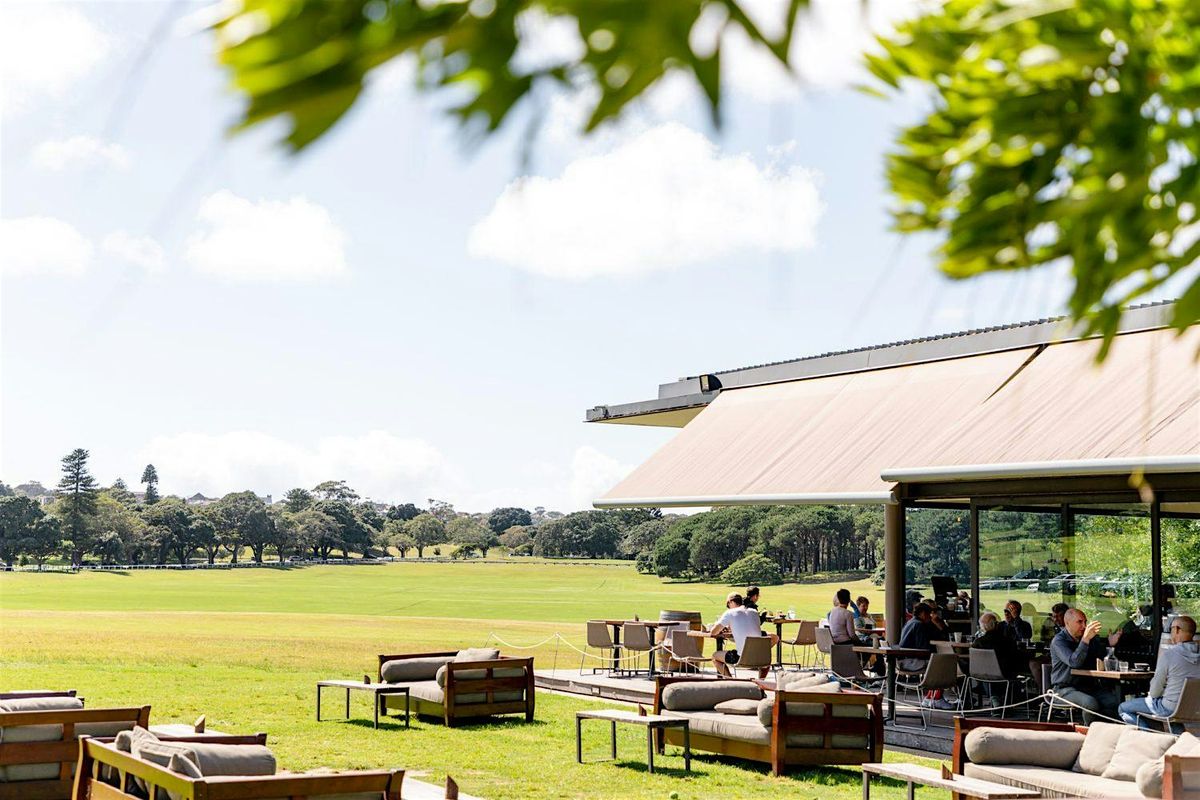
914	774
652	722
378	692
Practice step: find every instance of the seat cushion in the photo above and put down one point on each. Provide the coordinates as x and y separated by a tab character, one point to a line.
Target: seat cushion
1149	776
1098	747
427	690
404	670
184	766
33	733
699	695
724	726
1053	782
1134	749
1055	749
742	707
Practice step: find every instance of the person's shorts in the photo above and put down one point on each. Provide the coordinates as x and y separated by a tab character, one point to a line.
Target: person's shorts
732	657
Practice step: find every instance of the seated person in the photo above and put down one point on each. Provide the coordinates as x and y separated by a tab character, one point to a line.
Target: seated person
742	623
841	620
864	623
919	633
750	600
1013	626
1053	623
992	638
1078	646
1176	664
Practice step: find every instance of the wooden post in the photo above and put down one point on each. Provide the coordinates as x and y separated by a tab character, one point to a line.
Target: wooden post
1156	576
975	607
894	568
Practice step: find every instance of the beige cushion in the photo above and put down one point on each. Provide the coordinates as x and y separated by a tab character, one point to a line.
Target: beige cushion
1135	748
403	670
766	710
1098	747
749	729
232	759
1057	749
160	752
184	766
1149	776
34	733
1053	782
697	695
793	681
426	690
472	654
741	706
477	654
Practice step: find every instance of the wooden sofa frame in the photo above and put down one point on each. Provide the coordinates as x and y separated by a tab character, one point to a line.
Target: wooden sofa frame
778	754
94	753
22	695
1174	767
450	712
63	751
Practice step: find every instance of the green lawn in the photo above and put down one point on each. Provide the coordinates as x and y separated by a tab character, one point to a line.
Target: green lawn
246	647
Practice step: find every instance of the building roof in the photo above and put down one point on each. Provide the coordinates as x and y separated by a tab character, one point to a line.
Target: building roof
679	401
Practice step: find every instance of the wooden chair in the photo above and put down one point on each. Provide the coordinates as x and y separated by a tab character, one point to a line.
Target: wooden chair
96	753
58	750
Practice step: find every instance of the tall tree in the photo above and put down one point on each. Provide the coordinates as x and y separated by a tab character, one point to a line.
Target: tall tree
18	515
119	491
470	535
296	500
335	490
43	540
243	516
77	491
427	531
403	512
501	519
170	529
150	478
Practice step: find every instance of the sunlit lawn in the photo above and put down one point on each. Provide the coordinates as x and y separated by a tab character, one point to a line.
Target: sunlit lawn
245	647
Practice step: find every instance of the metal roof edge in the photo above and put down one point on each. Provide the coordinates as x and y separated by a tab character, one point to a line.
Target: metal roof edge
1043	469
817	498
686	392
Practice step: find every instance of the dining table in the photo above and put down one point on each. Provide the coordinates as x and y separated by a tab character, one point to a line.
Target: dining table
1126	679
617	625
890	656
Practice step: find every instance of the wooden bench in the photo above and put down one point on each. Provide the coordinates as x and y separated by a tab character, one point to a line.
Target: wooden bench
95	753
61	751
457	686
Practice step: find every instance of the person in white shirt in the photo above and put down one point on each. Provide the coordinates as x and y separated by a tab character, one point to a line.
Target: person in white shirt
741	623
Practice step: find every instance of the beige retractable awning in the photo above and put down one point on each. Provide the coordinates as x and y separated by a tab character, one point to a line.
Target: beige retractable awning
818	440
832	439
1143	402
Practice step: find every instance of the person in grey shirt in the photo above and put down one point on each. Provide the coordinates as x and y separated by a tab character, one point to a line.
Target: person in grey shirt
1078	646
1175	665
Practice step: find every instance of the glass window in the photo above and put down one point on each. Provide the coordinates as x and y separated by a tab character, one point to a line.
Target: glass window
1180	568
1024	558
1111	566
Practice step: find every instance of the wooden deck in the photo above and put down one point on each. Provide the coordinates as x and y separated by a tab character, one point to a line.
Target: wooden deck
602	686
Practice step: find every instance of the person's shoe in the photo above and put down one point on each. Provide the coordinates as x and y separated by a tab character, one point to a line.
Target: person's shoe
942	705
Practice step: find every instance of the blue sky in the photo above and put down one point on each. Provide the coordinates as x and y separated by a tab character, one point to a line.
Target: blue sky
405	319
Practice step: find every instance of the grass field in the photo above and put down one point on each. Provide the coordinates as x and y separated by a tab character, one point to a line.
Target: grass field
245	647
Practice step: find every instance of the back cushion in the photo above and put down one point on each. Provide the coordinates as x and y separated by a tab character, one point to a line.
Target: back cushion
702	695
33	733
1054	749
743	707
477	654
1134	749
1098	747
232	759
403	670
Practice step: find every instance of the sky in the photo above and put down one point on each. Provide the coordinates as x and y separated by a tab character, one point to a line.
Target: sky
400	307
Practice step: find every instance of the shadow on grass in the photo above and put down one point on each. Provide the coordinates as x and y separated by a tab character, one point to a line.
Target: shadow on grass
659	767
834	775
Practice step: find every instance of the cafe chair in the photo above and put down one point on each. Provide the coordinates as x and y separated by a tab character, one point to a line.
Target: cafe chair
1051	701
824	643
757	654
686	650
846	665
806	640
984	670
1186	714
940	673
638	640
598	638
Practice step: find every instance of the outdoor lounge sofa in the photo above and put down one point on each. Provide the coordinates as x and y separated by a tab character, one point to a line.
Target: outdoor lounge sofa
38	740
460	685
1063	760
809	721
141	765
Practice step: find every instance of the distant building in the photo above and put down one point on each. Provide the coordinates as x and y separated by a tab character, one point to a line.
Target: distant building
200	500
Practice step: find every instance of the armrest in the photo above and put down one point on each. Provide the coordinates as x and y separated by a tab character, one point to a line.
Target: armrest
222	738
1175	772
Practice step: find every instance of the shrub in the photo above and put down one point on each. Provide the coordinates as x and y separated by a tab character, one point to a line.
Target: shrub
753	569
645	563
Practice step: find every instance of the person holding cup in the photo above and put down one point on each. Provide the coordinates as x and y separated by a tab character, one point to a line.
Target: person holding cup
1078	646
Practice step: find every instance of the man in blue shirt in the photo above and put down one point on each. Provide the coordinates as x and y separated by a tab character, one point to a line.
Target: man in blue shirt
1078	646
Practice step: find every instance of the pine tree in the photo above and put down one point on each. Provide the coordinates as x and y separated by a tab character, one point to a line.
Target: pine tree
77	491
150	478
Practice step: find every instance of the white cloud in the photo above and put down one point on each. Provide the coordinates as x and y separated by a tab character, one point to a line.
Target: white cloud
79	151
266	240
377	464
42	246
665	199
140	251
592	474
45	48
